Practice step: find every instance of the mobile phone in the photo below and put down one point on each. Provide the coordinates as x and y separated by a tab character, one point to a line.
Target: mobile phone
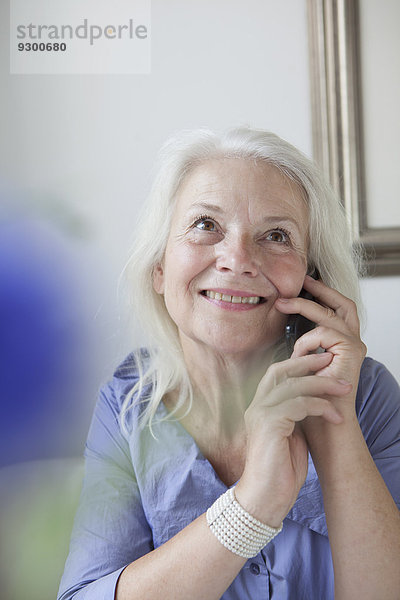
297	325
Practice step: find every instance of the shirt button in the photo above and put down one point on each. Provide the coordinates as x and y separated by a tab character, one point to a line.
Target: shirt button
255	569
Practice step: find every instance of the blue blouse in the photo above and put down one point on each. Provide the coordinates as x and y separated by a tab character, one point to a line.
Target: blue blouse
138	492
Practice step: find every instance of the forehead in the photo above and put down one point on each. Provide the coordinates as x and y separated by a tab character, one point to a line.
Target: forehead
235	183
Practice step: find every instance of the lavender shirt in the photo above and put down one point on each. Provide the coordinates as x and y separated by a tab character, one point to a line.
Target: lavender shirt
139	492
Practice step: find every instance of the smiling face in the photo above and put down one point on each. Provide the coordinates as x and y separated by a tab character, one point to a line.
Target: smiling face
238	241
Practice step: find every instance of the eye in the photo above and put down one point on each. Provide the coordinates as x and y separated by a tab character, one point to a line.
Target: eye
205	223
278	235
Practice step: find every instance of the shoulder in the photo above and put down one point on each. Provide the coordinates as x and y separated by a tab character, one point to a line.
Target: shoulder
378	410
107	437
125	377
378	403
128	369
121	390
375	379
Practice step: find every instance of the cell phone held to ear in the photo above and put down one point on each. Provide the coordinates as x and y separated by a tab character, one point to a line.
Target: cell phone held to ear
297	325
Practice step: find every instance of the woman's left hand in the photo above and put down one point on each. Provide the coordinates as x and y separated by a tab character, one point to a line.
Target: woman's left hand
337	331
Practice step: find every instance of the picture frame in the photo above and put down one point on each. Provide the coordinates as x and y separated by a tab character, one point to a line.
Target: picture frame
337	124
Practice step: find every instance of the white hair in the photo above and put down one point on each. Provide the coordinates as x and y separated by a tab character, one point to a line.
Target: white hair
162	368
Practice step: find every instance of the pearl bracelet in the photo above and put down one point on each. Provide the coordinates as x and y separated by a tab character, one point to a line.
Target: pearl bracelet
236	529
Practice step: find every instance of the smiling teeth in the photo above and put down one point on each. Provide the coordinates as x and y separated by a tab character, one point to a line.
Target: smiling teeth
232	299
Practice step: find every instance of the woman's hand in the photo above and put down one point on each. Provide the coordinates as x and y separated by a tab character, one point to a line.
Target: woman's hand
277	454
337	331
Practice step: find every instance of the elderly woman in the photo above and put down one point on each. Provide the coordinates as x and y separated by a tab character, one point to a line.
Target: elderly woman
217	466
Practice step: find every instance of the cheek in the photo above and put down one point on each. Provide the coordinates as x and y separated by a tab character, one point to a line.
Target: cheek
288	274
184	263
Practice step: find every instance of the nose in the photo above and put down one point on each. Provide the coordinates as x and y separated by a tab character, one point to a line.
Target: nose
238	256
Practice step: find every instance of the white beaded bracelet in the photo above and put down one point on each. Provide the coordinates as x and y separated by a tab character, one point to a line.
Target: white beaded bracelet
236	529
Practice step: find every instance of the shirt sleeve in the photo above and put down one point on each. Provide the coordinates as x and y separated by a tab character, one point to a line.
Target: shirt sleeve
378	409
110	528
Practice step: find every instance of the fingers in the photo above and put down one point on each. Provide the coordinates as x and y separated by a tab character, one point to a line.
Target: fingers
314	386
325	337
280	419
297	409
332	309
293	367
322	315
330	297
289	392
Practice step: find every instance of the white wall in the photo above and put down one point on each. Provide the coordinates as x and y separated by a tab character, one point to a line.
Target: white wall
381	299
88	143
380	88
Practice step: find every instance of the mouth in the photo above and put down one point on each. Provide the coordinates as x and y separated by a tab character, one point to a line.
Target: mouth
233	299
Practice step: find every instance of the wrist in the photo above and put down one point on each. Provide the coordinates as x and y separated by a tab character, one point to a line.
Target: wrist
255	502
337	452
320	434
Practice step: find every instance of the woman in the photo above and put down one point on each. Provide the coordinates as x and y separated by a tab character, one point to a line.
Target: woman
234	225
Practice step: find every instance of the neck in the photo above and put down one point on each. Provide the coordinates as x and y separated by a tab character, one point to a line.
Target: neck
223	388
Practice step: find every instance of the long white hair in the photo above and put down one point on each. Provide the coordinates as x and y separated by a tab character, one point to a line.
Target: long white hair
162	368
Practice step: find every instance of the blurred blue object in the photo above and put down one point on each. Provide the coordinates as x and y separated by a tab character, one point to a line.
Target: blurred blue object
42	342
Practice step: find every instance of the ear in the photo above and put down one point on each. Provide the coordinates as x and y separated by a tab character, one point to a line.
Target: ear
158	279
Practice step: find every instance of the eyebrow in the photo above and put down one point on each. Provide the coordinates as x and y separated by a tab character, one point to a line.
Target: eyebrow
206	207
279	219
